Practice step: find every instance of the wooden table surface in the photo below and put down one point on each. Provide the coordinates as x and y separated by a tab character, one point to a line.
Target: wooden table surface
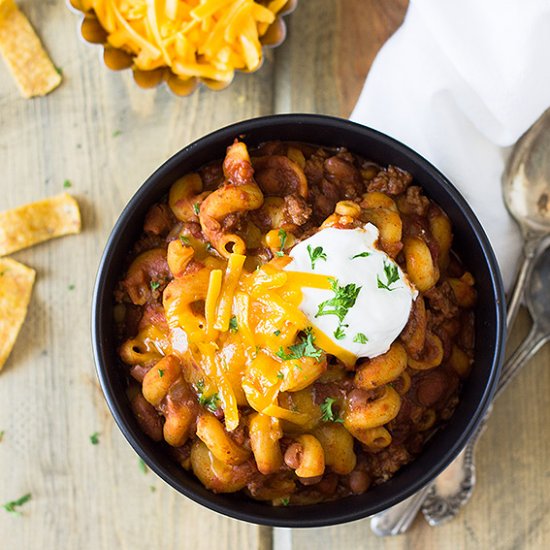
106	136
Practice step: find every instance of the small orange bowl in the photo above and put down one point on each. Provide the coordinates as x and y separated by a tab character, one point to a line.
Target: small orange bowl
118	59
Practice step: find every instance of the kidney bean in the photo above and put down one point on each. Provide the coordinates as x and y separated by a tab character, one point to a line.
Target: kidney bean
146	415
293	455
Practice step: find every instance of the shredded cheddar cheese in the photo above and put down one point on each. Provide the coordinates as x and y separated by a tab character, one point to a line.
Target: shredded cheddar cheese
262	352
194	38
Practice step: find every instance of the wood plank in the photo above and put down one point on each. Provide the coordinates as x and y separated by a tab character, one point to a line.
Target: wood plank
329	50
105	135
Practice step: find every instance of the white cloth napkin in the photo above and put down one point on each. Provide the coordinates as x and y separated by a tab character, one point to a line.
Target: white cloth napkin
459	82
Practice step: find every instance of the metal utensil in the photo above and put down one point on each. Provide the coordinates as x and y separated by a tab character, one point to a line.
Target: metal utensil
526	191
439	507
441	501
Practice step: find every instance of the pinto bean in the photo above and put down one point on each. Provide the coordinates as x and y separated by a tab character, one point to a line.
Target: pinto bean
146	415
293	455
431	388
159	220
359	482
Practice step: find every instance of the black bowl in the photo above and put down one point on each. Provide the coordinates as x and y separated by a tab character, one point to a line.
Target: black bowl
470	242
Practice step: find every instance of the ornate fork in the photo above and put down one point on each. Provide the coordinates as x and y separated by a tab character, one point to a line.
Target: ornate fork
442	500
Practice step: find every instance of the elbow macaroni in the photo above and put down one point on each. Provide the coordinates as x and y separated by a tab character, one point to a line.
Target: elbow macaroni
221	367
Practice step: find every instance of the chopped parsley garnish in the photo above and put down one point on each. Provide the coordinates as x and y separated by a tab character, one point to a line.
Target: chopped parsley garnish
12	505
117	133
2	435
285	501
152	488
280	375
210	402
305	348
209	247
155	285
184	240
233	325
196	208
315	254
71	287
282	238
339	333
392	276
59	71
360	338
161	373
142	466
94	438
277	333
327	414
67	184
344	299
362	255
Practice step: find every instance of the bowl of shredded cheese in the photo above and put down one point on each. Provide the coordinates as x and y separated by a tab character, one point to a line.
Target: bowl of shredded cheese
184	42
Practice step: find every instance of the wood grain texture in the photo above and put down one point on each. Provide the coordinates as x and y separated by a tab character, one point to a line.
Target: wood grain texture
106	136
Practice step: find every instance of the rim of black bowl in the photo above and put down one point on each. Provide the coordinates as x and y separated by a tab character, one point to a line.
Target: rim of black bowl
408	479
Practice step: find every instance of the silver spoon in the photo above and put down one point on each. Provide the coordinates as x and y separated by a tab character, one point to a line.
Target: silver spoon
526	191
441	501
440	507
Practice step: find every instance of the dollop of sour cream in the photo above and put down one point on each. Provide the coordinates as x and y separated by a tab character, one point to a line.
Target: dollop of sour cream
370	299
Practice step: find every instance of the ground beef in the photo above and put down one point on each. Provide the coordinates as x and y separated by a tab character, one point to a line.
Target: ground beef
390	180
442	299
297	210
382	465
414	202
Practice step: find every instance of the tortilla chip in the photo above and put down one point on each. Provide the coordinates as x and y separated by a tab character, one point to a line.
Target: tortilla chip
22	50
37	222
16	282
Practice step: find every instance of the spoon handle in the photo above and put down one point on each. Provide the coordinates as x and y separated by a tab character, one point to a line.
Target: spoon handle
514	301
456	483
454	487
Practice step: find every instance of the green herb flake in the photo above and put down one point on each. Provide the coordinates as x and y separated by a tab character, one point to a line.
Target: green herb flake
316	254
142	466
185	240
360	338
339	333
152	488
327	414
210	402
392	276
94	438
161	373
305	348
12	505
209	247
344	299
280	375
277	333
59	71
67	184
362	255
71	287
196	208
233	325
282	242
2	435
155	285
117	133
285	501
